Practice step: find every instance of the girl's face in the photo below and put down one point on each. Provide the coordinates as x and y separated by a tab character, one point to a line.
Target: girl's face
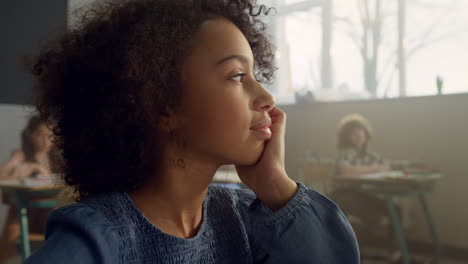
222	102
40	138
358	137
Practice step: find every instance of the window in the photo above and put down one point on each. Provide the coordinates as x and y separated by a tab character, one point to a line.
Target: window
437	46
359	49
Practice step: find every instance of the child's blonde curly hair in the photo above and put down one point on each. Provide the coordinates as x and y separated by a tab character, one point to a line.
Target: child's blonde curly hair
347	124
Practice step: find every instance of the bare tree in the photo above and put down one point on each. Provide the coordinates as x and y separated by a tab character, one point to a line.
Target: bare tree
367	34
368	39
371	38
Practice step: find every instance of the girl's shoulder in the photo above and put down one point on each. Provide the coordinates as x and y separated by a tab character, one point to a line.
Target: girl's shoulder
224	195
116	208
105	210
246	201
80	234
78	214
247	196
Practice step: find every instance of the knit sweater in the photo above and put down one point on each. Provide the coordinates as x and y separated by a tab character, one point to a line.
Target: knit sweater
236	228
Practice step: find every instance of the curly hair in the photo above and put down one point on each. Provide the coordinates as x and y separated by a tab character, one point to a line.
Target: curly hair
103	85
347	124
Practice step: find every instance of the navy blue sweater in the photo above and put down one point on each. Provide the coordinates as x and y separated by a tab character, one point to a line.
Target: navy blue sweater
236	228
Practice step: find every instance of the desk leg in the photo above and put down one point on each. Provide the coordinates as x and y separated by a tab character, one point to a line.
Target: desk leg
398	230
24	239
432	229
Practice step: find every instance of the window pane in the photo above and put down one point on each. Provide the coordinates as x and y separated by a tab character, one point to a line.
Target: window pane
437	46
298	39
364	49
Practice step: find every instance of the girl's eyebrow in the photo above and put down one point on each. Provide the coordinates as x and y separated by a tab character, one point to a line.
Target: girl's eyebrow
240	58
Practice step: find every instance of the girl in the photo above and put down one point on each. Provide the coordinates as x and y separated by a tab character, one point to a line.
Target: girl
32	158
28	161
147	99
355	158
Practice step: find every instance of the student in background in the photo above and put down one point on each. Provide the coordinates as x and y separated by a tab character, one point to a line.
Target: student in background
29	161
354	157
367	213
32	158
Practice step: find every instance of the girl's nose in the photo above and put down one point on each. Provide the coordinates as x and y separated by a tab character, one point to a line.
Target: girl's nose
264	101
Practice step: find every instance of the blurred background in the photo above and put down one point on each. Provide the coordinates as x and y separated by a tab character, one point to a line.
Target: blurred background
401	64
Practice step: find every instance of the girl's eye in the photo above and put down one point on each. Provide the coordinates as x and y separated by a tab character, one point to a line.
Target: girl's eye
238	77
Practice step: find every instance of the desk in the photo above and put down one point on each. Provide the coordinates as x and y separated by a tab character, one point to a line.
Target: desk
29	194
396	184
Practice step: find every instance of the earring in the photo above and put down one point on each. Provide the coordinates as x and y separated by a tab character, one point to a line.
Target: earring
180	163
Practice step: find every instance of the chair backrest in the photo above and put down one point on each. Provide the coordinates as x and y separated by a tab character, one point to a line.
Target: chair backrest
317	171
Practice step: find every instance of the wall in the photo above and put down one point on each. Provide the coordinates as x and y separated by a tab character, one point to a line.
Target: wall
25	25
433	130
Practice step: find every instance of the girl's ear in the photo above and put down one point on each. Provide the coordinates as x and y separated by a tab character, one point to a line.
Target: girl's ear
168	121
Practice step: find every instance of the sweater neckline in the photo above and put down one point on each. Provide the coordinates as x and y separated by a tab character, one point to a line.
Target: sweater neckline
201	231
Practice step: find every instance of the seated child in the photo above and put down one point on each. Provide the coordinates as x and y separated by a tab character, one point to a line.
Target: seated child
32	159
354	158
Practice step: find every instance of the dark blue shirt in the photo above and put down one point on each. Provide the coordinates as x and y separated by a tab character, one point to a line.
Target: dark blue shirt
236	228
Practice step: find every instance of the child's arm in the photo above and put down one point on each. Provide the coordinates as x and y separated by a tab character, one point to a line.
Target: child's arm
26	169
7	169
350	170
346	168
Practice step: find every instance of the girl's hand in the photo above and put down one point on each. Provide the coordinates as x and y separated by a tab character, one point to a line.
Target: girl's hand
268	178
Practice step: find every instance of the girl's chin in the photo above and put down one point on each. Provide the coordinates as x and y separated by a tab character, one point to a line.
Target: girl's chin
246	163
248	157
249	161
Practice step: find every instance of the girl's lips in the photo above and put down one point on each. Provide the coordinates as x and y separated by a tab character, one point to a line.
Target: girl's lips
262	128
263	131
262	124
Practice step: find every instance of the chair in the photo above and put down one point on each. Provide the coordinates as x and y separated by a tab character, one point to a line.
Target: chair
315	171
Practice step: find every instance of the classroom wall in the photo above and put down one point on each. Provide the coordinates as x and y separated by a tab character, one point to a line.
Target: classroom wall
25	25
431	129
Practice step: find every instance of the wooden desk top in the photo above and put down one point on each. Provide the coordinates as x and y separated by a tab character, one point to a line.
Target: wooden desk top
393	177
392	182
29	185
